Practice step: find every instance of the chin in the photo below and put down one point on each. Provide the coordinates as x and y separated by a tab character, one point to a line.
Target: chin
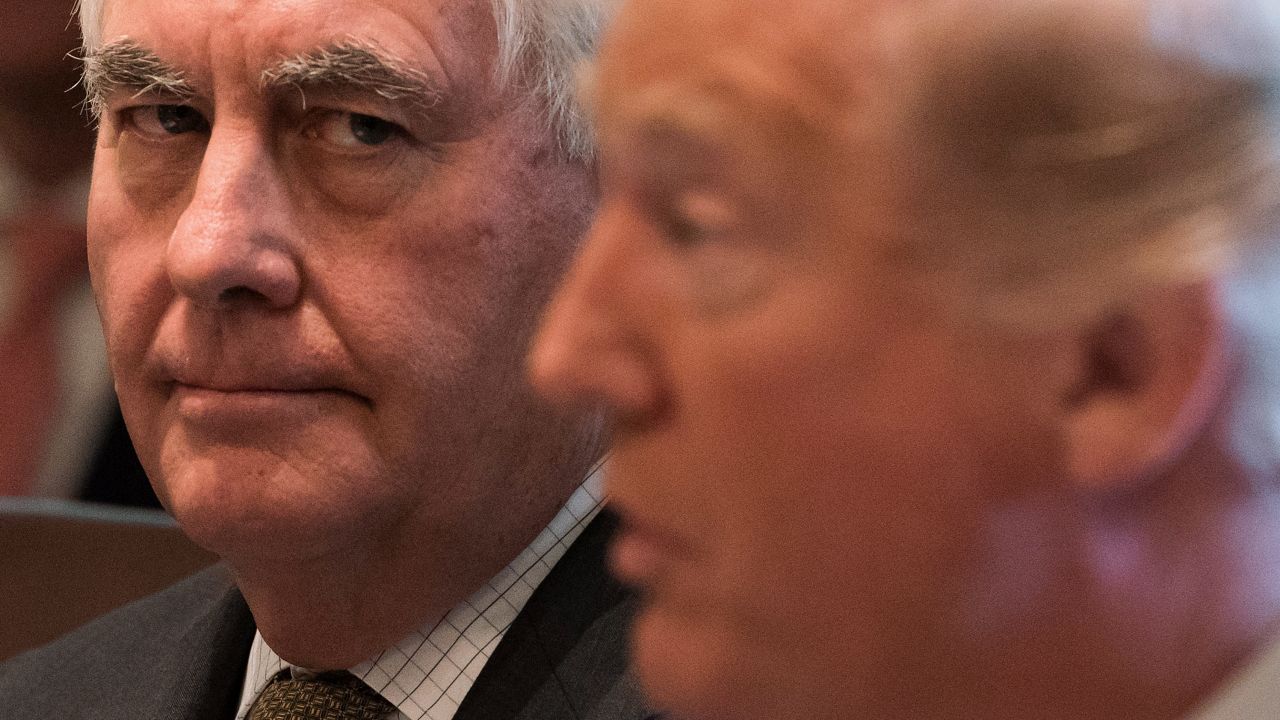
700	661
687	666
252	506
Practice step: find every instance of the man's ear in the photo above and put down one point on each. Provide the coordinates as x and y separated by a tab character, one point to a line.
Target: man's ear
1147	379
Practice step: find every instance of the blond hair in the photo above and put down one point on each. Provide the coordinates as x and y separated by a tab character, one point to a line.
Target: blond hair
1061	155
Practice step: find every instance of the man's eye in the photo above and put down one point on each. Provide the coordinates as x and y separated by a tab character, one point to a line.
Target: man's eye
680	229
352	130
160	120
694	216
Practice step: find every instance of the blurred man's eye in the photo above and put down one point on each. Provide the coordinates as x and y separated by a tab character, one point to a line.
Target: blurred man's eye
679	228
352	131
160	120
691	217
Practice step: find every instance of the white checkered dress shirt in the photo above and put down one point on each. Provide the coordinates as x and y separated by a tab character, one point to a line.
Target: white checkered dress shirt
427	674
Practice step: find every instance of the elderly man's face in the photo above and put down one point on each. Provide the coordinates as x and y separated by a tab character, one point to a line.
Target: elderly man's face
804	443
318	238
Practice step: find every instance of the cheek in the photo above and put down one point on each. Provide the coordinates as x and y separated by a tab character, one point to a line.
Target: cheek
820	464
454	282
695	667
126	267
410	302
427	312
132	292
862	477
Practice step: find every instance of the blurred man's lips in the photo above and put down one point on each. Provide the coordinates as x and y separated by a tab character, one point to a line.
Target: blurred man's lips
642	552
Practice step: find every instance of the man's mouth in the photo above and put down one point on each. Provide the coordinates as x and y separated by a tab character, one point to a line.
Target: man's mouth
252	407
643	552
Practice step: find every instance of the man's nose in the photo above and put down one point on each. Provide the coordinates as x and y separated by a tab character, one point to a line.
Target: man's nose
233	242
593	349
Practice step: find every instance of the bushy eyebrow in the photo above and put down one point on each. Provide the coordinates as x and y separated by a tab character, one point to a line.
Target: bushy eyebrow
349	66
126	65
354	66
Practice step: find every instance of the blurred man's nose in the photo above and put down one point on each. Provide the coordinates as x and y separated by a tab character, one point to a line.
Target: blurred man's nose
234	241
591	351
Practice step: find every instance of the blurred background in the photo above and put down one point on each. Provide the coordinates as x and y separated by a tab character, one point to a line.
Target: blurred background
80	529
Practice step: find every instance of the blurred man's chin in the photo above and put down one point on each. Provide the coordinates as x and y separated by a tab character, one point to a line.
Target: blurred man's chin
686	663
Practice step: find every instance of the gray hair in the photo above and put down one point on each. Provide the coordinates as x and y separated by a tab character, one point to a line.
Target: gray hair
541	44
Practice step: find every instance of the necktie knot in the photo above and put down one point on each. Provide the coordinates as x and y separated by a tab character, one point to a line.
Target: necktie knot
328	696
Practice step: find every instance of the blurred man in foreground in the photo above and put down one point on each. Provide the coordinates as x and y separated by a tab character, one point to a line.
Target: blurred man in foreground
320	232
941	340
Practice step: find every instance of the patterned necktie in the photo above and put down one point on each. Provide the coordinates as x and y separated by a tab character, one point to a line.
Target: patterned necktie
329	696
47	257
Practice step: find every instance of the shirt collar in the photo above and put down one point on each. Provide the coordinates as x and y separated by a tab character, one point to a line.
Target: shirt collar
427	674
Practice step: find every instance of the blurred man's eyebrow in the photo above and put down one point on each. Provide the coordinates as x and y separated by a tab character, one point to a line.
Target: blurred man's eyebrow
355	67
128	66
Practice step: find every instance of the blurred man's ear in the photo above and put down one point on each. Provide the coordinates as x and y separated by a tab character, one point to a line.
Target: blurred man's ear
1148	378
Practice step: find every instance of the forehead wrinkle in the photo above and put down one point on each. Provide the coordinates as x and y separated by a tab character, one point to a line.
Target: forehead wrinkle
357	66
126	65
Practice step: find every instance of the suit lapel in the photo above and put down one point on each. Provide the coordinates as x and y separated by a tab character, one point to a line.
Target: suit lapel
181	654
205	665
176	655
564	657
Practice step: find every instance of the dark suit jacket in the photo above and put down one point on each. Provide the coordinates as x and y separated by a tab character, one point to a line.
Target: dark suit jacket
181	654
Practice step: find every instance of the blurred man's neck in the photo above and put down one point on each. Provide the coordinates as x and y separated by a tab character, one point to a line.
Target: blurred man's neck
1178	593
1139	606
